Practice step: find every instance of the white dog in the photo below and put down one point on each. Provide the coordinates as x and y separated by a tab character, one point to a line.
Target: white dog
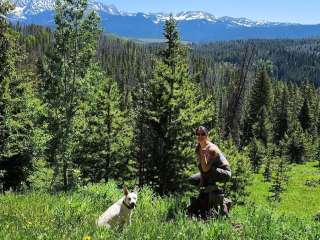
120	212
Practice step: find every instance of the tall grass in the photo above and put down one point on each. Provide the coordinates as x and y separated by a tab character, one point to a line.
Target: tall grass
73	215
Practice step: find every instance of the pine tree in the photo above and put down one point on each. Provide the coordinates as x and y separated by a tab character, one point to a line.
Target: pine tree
304	116
268	163
22	114
267	170
318	117
103	131
317	152
262	128
297	144
172	53
260	97
281	119
7	60
236	189
141	129
62	74
256	154
173	107
280	179
19	108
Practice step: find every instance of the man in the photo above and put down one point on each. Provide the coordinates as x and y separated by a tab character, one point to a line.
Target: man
214	167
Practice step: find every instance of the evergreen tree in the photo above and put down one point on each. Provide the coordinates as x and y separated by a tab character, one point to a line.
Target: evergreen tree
7	59
173	52
19	108
297	144
317	152
281	119
304	116
260	97
103	131
171	112
309	92
22	114
236	189
268	163
262	128
62	75
267	170
280	178
256	154
141	129
318	116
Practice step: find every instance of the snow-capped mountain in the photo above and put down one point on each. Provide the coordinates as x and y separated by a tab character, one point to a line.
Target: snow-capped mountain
182	16
25	8
194	15
194	26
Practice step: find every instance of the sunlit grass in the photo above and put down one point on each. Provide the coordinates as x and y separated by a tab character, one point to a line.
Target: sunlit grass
72	216
298	199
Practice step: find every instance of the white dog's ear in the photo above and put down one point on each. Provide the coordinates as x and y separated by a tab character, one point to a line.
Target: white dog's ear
125	191
136	189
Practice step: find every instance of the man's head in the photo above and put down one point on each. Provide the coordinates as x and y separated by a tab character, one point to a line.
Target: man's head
130	197
201	133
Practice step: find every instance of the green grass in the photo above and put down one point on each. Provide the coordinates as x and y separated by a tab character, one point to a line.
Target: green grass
72	216
299	199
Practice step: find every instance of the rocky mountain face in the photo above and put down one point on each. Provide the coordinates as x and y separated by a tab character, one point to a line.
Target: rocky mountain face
194	26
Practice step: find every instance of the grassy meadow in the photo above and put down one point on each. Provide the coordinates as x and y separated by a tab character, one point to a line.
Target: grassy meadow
36	215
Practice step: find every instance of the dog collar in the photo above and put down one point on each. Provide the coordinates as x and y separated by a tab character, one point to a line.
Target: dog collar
127	206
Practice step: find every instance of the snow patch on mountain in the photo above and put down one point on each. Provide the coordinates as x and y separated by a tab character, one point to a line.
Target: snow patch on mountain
26	8
18	12
194	15
33	7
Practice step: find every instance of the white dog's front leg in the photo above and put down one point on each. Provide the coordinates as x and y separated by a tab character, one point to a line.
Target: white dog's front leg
106	225
103	223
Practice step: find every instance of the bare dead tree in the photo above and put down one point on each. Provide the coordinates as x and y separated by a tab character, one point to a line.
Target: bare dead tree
236	95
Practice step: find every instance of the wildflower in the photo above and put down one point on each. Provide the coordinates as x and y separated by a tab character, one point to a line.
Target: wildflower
87	238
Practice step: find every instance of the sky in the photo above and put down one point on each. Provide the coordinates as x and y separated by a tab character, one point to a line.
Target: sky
293	11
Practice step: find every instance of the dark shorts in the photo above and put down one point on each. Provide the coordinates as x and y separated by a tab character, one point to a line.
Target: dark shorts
211	177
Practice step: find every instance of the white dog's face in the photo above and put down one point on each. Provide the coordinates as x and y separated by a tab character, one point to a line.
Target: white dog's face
130	198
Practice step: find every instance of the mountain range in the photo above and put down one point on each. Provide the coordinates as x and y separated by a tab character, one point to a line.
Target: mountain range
194	26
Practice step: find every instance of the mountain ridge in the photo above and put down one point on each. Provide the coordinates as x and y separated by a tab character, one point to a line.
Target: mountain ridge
195	26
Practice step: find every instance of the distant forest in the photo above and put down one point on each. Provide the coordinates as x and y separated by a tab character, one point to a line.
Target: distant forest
78	106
